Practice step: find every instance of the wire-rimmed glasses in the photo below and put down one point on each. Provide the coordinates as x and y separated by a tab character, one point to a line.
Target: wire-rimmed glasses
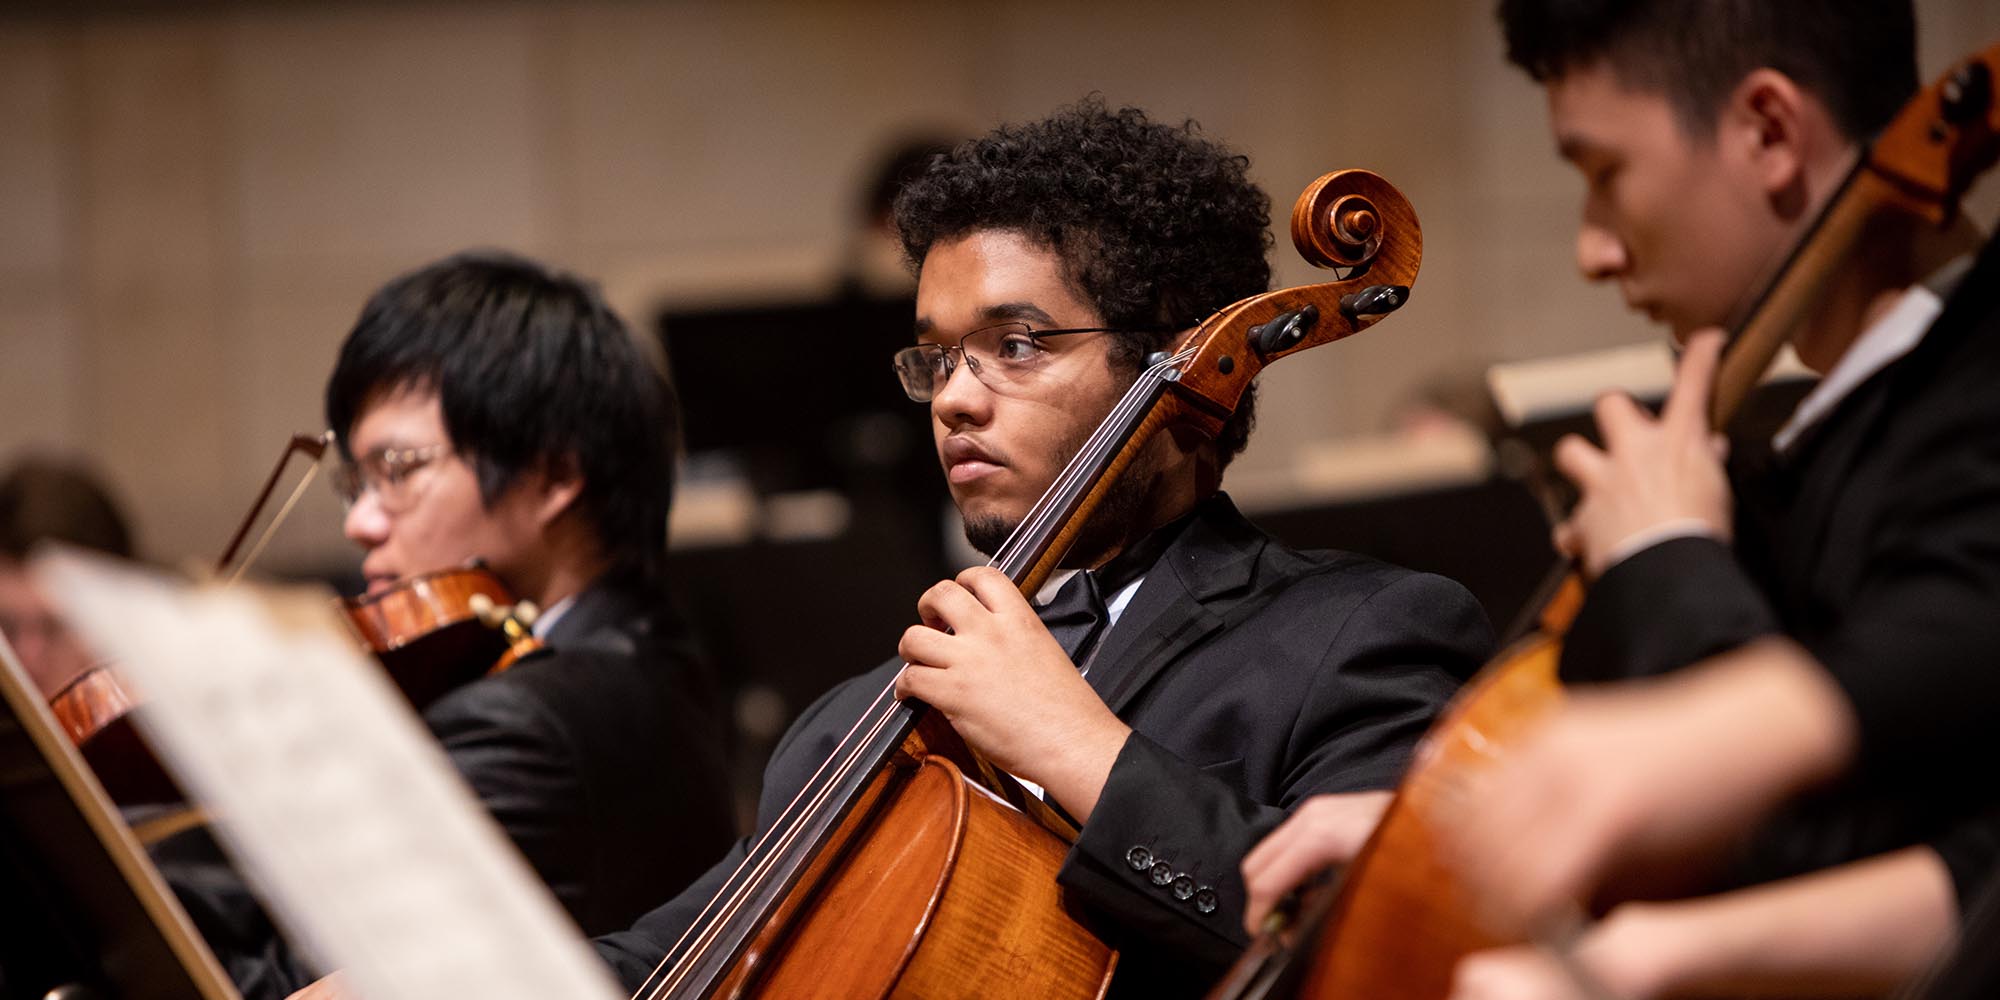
390	473
997	354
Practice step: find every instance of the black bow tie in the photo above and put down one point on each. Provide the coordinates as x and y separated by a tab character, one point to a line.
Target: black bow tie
1076	616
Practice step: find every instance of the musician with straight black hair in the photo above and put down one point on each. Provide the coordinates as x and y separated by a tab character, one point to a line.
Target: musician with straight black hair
489	409
1847	569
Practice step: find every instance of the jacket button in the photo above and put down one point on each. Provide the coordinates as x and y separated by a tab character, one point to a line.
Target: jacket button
1162	873
1183	888
1204	899
1139	858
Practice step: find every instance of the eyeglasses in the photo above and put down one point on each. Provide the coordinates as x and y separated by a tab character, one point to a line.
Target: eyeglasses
390	473
998	354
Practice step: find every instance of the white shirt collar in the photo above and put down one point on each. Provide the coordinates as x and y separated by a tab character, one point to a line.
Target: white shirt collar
550	616
1887	339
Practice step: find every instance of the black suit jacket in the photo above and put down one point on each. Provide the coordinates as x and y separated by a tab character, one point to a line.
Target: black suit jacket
601	756
1252	676
1874	542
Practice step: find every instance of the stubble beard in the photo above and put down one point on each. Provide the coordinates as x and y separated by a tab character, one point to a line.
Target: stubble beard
1105	532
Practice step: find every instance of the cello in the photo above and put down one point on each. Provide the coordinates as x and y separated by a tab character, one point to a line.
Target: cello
910	866
1398	919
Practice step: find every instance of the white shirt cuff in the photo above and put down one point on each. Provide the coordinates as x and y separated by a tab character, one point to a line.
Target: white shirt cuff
1666	531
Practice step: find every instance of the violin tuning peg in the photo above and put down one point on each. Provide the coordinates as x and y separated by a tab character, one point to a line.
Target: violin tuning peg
483	608
526	612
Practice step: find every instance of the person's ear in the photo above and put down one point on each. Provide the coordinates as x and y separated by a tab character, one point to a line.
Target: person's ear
558	484
1773	129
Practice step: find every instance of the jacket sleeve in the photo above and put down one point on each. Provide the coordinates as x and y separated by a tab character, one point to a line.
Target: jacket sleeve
1161	851
1663	608
1915	651
230	918
524	772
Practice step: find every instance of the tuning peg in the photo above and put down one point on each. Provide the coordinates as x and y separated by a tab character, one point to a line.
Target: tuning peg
1967	92
1375	300
526	613
1284	331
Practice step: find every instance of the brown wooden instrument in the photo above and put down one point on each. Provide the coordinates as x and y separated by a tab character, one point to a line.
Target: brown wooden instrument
1397	921
433	632
908	866
439	630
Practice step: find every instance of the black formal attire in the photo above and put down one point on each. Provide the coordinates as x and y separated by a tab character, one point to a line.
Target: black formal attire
601	756
1874	541
1252	676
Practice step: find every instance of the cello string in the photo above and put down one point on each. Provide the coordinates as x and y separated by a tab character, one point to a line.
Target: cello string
766	854
765	848
1100	441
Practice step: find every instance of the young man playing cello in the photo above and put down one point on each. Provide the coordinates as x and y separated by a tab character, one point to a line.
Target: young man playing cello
1868	531
1234	676
489	409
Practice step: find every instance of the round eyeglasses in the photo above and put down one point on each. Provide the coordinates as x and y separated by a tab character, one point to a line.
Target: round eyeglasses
390	473
998	354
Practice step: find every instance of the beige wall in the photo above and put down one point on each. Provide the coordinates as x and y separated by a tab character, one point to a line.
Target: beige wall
194	204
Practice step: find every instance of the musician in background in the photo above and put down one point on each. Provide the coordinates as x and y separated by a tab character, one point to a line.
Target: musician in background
1219	677
1868	531
489	409
50	500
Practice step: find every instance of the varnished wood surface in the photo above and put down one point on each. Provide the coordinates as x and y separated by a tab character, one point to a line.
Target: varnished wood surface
1404	917
94	710
962	901
428	636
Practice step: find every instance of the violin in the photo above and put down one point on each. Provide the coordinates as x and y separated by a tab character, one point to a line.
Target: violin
433	632
1397	921
439	630
908	863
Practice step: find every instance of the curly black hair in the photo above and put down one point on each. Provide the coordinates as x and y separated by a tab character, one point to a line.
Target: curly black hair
1859	56
1156	225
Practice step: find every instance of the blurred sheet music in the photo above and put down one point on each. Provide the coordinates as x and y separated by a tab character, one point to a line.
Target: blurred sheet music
326	789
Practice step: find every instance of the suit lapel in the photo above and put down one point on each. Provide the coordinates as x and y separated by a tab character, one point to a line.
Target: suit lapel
1184	598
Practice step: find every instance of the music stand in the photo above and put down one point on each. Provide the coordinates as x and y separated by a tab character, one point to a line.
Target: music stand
82	911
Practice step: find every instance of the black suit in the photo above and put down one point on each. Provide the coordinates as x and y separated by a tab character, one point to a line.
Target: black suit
1875	542
600	756
1252	676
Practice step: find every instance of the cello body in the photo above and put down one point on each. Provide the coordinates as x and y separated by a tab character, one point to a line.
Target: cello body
963	898
1403	916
